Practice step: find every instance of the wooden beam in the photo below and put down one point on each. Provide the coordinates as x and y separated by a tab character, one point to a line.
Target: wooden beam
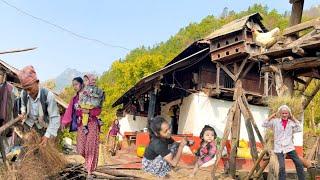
300	27
225	69
241	67
218	79
301	81
305	62
301	39
17	50
247	70
266	84
264	152
251	118
235	137
225	136
8	125
308	97
299	51
253	148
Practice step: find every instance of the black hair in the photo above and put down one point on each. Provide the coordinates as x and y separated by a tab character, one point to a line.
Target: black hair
206	128
78	79
155	126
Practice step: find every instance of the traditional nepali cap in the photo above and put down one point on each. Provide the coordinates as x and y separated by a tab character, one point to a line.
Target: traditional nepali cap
27	76
92	79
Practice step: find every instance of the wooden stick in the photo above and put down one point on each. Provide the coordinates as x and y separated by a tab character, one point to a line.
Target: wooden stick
301	27
225	69
235	134
253	148
244	100
262	168
9	124
113	172
256	164
18	50
224	138
110	176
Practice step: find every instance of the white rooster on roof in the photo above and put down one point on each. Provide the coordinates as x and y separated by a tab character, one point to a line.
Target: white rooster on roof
265	40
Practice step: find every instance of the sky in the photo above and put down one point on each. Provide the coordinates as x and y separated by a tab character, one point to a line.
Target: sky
129	24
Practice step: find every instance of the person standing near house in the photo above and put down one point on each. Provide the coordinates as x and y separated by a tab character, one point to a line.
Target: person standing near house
8	95
113	138
39	108
284	128
87	143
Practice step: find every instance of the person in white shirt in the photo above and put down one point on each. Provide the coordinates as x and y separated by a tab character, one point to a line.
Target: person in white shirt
284	128
39	108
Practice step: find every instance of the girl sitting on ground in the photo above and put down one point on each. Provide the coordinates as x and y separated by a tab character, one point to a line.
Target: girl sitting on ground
160	156
208	148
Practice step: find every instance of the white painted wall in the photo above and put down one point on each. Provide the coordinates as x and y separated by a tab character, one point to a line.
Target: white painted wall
127	124
198	110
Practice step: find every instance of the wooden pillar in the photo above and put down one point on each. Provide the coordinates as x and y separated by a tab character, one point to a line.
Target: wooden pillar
235	135
252	140
218	79
152	104
266	84
225	136
296	12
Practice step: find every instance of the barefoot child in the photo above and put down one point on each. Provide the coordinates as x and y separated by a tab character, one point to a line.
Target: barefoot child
284	128
208	148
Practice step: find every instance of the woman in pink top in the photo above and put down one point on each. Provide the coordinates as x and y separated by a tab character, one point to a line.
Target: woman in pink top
87	144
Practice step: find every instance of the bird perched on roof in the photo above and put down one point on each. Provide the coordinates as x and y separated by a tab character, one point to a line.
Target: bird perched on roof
265	40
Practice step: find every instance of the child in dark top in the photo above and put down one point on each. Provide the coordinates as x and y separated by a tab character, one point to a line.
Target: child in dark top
112	136
159	158
208	148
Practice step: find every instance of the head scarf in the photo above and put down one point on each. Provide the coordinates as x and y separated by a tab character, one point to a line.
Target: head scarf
27	76
92	79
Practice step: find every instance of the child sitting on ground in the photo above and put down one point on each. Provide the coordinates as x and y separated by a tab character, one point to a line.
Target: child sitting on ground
91	97
207	150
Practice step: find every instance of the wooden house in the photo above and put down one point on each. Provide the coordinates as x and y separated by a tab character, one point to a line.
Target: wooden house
197	87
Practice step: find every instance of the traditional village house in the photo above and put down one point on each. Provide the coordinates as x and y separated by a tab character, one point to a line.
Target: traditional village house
197	87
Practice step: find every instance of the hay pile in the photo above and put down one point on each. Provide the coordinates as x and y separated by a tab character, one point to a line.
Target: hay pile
38	162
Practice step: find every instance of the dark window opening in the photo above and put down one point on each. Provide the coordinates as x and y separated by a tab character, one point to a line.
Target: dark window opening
227	53
227	42
237	50
236	39
218	55
218	45
228	81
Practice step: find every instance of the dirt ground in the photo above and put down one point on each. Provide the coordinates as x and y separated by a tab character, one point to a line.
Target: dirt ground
184	172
